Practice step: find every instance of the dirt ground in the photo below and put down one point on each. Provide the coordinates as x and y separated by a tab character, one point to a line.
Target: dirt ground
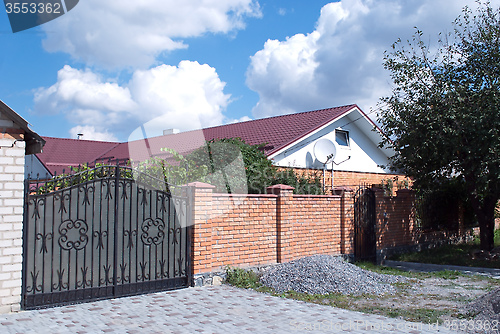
462	303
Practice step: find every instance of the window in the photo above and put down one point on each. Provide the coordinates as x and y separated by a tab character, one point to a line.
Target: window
342	137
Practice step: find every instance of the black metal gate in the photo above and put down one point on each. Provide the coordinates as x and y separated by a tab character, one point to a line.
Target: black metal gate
104	232
365	247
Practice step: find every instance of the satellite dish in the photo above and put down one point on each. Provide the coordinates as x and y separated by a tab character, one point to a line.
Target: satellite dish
324	150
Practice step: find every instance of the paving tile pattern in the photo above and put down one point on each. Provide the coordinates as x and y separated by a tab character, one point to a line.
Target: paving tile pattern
209	309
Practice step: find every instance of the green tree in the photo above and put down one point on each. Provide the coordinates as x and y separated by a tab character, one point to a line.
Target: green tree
235	165
443	117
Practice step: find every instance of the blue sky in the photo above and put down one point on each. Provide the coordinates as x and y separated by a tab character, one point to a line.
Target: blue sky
108	67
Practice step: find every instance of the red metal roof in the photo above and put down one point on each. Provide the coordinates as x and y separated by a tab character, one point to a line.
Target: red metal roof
60	154
278	132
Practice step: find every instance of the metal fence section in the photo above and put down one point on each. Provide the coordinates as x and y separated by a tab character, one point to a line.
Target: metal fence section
104	232
365	247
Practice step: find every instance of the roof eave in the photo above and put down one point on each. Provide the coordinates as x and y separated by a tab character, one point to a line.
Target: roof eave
34	143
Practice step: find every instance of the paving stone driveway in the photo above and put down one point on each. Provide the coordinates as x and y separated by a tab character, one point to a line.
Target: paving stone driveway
214	309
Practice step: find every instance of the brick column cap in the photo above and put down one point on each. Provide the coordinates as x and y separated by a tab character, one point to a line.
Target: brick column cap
201	185
281	187
343	188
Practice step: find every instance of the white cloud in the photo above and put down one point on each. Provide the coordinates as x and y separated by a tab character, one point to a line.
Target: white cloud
90	133
130	33
340	62
186	97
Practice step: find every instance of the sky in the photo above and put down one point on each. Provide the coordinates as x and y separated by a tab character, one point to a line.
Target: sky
107	68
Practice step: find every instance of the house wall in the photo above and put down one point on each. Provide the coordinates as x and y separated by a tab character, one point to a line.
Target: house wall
35	169
362	155
12	151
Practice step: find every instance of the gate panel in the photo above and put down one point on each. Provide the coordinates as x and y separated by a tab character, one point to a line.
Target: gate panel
365	247
101	234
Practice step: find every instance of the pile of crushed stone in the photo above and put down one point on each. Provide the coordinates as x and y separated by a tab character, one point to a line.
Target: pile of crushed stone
485	309
324	274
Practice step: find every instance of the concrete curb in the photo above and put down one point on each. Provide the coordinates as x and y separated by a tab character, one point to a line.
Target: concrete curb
427	267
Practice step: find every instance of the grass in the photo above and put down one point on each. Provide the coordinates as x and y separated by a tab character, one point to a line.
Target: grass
459	255
373	304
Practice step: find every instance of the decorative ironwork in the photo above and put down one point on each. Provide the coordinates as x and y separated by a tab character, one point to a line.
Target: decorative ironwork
86	190
37	202
107	278
162	273
108	184
130	237
123	278
44	237
34	286
101	231
62	198
180	270
144	198
60	284
143	275
73	234
84	282
175	233
162	198
124	185
153	231
100	235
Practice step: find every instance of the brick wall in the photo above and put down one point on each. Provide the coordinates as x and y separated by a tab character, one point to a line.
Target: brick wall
12	151
396	227
258	230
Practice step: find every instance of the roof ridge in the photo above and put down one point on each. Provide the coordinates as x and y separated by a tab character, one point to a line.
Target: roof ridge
85	140
348	106
278	116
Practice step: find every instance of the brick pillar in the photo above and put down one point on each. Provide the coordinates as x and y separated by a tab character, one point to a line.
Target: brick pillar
283	230
346	220
12	151
381	217
202	227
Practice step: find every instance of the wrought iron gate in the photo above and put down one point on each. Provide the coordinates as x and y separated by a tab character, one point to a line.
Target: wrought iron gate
105	232
364	225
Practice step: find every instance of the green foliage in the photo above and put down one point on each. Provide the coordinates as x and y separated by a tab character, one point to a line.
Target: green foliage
234	166
443	116
81	174
242	278
303	184
238	167
458	255
439	208
231	165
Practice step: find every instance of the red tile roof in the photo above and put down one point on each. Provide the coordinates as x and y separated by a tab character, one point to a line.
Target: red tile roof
278	132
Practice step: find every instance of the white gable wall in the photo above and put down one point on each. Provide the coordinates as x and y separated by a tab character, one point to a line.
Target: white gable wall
364	153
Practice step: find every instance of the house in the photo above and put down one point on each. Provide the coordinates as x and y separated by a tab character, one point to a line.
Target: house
17	141
290	142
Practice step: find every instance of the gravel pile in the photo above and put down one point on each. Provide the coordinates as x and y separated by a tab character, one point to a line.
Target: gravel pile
485	309
323	274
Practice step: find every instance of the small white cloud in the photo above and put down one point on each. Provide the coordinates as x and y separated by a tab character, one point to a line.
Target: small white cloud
130	33
90	133
186	97
239	120
282	11
340	62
